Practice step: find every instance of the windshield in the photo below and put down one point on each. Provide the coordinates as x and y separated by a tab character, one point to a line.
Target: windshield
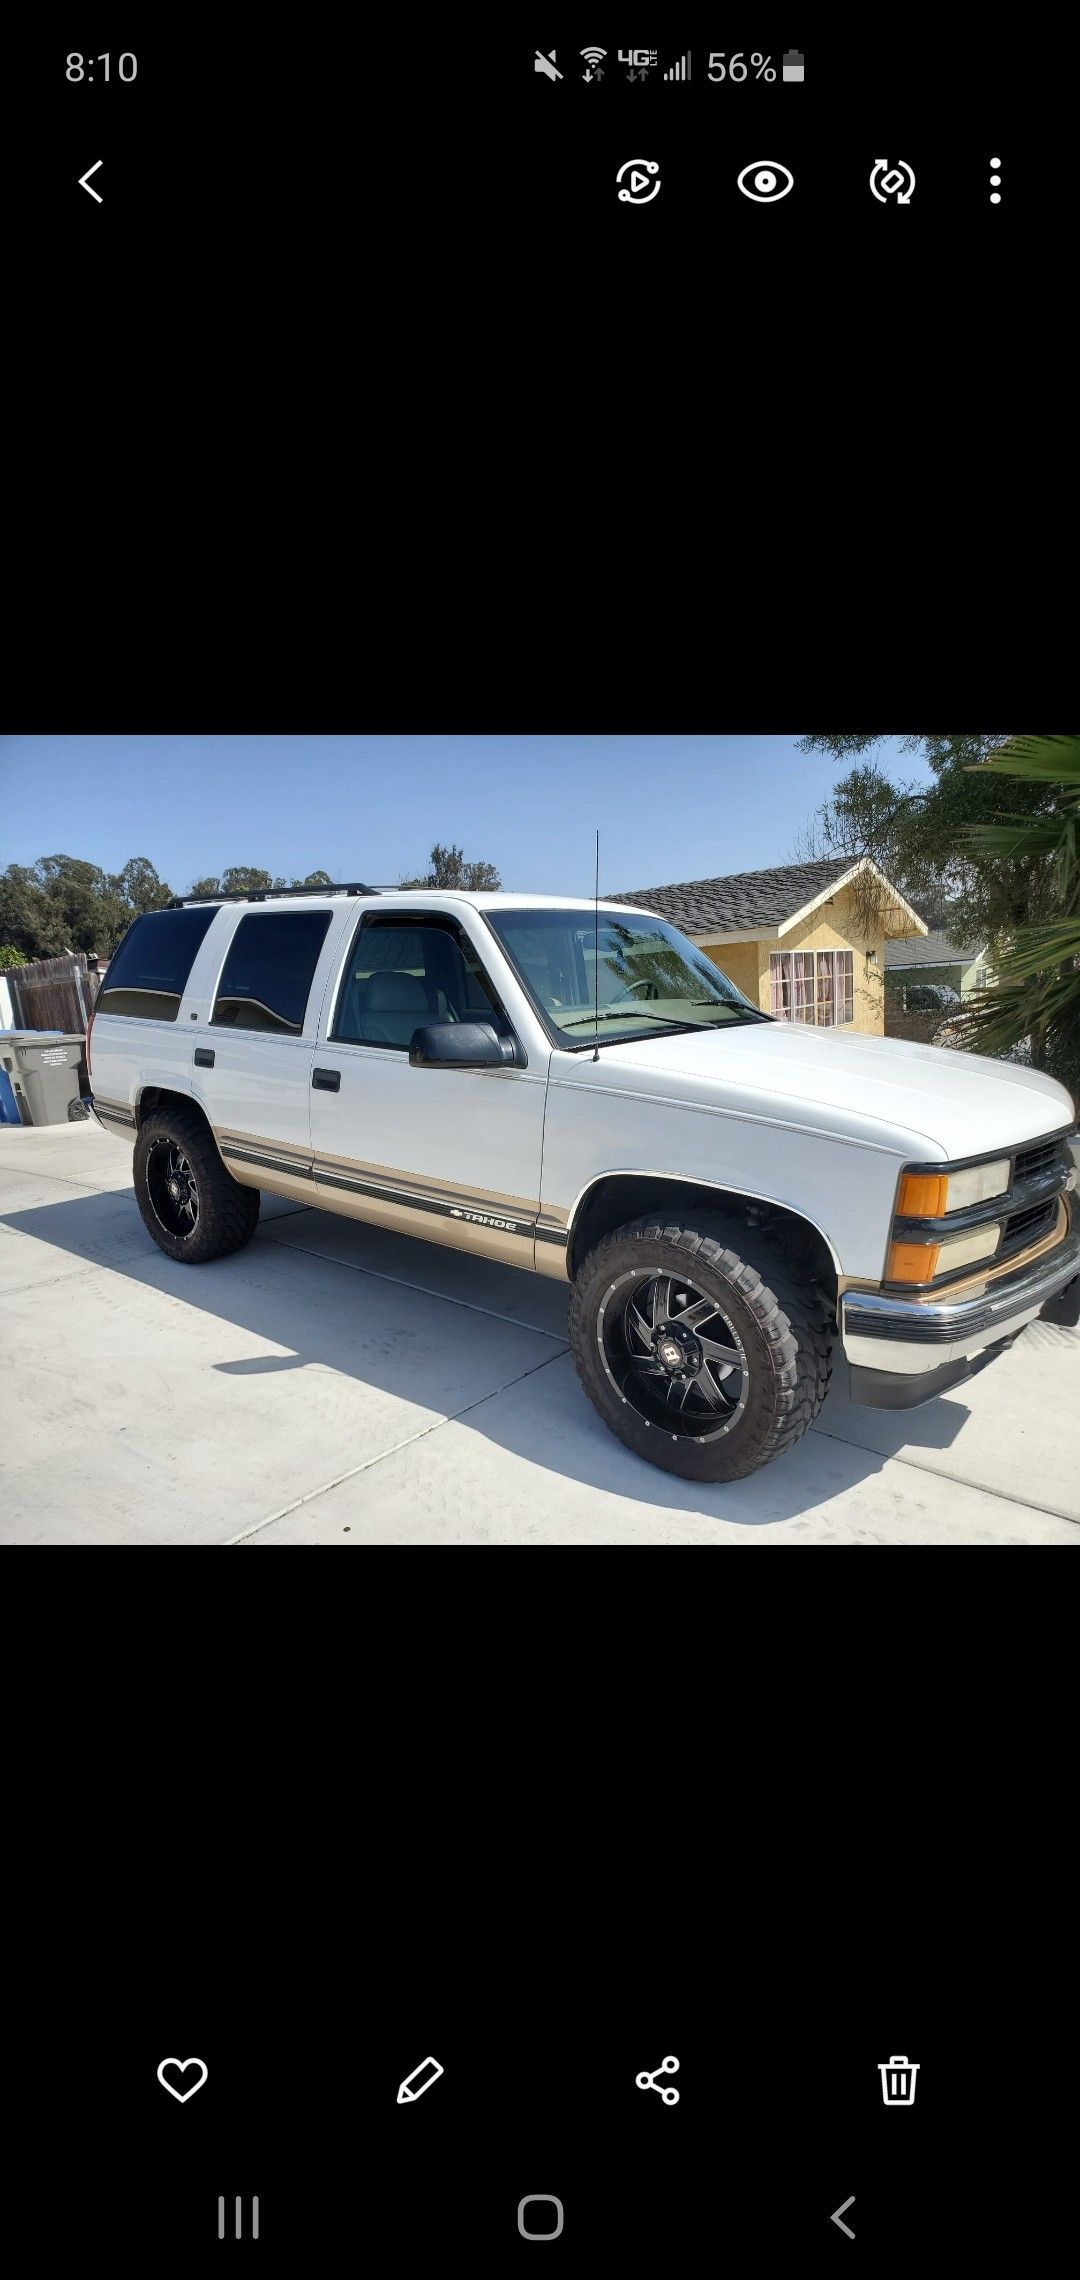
648	978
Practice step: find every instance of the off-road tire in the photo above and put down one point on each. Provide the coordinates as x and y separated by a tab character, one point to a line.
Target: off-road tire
228	1213
783	1319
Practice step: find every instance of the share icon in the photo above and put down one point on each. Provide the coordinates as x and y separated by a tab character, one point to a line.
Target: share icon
652	2081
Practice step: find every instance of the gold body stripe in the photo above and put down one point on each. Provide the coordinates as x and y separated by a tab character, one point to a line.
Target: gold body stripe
491	1225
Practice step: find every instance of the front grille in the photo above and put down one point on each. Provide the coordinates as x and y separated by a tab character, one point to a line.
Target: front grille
1025	1227
1033	1162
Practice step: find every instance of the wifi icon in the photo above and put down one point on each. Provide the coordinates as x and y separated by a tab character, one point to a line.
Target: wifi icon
593	57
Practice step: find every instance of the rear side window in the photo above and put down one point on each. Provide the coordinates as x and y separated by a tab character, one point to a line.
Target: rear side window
268	971
147	976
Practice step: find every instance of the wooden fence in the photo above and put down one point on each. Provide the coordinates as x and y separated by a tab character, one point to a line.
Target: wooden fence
53	993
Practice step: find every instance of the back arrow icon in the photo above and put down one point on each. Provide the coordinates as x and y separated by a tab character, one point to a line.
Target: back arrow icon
84	180
837	2216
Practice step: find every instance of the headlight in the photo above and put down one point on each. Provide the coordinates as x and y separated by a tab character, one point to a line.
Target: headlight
922	1262
930	1195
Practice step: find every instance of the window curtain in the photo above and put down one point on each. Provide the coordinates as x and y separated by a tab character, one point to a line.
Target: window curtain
804	985
845	985
812	985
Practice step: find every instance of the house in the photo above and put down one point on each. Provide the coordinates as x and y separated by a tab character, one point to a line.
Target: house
805	942
964	968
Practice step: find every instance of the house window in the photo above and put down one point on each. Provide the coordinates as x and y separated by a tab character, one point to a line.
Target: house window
813	986
791	980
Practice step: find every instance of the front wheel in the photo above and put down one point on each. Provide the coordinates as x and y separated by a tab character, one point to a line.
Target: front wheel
190	1204
708	1363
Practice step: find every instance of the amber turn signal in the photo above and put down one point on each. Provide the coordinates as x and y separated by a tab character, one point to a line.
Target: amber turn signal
912	1262
924	1195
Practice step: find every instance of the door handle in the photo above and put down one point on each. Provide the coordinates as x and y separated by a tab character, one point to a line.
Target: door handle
204	1057
326	1080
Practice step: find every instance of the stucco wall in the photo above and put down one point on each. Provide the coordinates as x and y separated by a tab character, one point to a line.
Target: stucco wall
739	961
832	927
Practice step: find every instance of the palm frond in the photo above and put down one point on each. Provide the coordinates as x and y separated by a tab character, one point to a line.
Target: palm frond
1041	759
1038	948
1025	836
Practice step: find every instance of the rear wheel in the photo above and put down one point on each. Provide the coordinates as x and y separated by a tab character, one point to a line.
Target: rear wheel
702	1360
190	1204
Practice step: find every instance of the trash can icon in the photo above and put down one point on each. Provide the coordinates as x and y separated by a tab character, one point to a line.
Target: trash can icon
898	2081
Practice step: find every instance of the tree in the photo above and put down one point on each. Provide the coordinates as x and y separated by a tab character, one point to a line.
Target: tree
62	903
1037	991
27	920
140	886
10	957
916	833
449	869
240	880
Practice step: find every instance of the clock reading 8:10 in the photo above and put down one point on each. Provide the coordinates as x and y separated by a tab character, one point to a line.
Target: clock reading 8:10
76	66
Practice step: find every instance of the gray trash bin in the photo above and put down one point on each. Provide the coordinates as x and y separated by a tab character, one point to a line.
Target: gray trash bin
46	1069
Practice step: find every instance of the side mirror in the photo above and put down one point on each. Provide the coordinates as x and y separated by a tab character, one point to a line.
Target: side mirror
462	1045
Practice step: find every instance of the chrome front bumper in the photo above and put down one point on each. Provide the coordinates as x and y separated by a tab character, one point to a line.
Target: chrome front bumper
916	1338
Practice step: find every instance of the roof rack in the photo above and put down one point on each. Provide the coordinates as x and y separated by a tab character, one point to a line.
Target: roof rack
274	894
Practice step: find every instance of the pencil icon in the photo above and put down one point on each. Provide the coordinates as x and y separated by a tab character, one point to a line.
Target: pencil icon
418	2081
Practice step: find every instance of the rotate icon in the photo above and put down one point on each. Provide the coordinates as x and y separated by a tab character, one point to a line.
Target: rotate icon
892	185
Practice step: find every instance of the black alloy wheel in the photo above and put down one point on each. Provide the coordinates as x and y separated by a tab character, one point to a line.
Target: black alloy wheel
172	1189
670	1351
189	1201
706	1358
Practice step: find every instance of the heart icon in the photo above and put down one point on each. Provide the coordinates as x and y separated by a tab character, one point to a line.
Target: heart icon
182	2065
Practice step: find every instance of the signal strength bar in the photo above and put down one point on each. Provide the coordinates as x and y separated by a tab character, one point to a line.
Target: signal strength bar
680	70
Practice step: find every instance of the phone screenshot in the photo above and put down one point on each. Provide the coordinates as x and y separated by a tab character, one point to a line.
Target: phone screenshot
503	1067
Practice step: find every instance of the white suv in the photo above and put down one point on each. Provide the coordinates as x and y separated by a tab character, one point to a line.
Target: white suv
578	1090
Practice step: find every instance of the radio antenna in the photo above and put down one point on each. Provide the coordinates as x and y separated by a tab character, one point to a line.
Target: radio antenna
596	954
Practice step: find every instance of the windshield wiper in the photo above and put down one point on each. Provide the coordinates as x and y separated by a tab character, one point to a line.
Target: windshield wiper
630	1013
583	1020
737	1012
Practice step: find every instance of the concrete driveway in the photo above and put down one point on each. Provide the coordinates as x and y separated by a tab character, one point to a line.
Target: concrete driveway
333	1384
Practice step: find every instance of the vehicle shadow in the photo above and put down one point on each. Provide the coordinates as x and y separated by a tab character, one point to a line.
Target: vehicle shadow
535	1413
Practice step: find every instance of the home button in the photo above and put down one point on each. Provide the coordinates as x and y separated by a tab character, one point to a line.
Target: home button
544	2220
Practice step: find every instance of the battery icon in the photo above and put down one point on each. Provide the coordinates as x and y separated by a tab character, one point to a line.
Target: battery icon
793	64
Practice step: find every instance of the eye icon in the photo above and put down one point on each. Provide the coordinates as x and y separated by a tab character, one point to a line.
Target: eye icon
766	181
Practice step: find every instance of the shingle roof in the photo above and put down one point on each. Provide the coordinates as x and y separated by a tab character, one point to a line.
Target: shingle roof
747	898
931	950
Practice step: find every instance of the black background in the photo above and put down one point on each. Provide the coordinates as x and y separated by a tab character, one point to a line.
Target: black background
779	2033
360	403
769	2137
706	1834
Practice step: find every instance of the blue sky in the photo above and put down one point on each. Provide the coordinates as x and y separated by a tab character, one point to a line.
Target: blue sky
668	807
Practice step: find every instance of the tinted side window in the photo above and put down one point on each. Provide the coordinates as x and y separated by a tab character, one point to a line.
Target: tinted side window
148	975
268	971
401	976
